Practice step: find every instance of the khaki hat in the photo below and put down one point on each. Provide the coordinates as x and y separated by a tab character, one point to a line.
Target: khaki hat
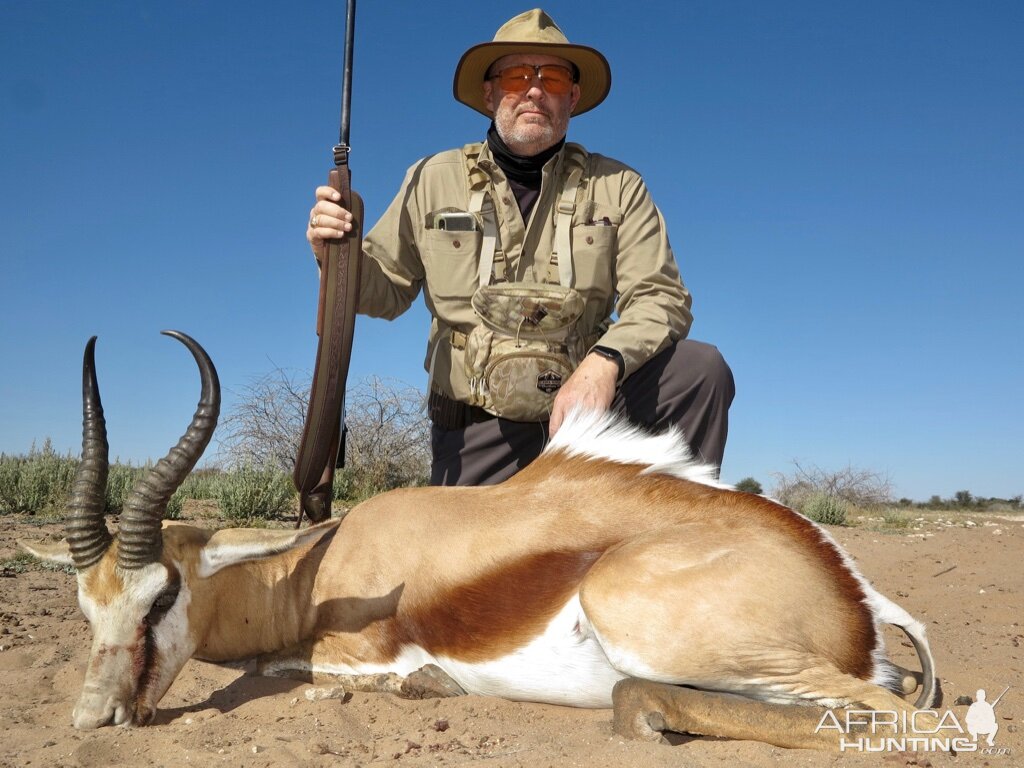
531	32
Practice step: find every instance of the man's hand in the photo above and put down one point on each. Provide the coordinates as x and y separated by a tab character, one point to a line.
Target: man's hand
327	220
591	385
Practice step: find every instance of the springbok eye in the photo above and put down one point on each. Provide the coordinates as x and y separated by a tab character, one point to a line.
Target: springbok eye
163	603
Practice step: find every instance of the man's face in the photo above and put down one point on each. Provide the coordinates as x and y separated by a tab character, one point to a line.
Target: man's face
533	120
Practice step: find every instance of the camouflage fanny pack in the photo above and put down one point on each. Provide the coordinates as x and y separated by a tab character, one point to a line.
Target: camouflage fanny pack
524	348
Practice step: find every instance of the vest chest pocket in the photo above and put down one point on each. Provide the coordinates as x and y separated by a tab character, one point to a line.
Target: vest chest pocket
594	247
451	262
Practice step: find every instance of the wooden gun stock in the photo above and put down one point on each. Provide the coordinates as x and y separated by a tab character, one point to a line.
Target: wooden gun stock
319	452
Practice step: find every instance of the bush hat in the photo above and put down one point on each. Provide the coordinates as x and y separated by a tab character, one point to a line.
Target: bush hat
531	32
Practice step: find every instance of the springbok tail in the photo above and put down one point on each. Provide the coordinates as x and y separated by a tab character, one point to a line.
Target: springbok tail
888	612
929	688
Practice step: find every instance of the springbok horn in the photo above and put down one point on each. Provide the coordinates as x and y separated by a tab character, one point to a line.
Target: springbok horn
87	534
139	537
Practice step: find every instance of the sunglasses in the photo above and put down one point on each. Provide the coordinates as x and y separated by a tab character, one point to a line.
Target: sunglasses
518	79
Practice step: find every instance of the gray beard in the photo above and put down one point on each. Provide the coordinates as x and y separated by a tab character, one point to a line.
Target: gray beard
517	138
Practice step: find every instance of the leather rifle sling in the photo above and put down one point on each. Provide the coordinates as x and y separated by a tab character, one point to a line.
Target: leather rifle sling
336	314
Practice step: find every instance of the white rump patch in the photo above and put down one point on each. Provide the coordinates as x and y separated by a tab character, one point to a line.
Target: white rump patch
606	435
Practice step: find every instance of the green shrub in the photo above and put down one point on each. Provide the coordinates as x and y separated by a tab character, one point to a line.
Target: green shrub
37	483
344	488
894	518
826	509
203	484
248	493
749	485
121	478
10	471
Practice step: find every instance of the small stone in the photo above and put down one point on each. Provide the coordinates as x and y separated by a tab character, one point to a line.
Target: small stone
319	694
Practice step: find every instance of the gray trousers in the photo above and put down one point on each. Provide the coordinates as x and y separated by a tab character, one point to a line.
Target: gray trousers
688	385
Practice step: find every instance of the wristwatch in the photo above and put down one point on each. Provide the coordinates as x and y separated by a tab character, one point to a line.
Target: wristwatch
611	354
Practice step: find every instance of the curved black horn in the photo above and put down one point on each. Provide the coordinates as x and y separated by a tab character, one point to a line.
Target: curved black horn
87	534
139	538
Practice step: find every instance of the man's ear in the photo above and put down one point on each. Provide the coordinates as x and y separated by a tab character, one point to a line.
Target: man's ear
237	545
576	92
490	97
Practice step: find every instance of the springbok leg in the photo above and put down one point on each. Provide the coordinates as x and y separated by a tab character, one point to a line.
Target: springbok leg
427	682
644	709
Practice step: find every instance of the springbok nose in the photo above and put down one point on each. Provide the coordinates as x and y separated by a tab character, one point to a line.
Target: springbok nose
86	717
97	710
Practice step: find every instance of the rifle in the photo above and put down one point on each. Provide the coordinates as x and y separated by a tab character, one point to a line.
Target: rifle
1000	696
323	434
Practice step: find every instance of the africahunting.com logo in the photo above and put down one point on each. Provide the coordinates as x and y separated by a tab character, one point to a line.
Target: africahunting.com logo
924	730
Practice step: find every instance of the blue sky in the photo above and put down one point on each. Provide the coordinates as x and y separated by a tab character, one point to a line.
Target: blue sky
843	184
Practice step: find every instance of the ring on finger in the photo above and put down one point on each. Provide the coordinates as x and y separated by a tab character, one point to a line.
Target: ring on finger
313	220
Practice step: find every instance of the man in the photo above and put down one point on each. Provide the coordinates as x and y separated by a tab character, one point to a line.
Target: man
525	246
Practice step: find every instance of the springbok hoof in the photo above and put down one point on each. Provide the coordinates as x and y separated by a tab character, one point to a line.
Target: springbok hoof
633	716
430	682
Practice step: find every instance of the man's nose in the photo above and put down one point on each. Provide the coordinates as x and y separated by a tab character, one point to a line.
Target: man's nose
536	89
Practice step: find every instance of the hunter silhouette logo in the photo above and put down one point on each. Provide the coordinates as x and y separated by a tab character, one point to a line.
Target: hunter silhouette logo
925	730
981	717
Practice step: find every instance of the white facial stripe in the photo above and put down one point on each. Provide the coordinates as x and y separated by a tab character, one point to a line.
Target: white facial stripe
121	613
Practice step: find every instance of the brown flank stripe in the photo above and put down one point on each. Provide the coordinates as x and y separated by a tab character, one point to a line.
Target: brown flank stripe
497	613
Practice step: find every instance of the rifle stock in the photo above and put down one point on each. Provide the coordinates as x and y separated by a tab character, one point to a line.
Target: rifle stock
321	449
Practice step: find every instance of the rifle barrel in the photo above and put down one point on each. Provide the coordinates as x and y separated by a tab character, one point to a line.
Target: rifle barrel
1000	696
346	80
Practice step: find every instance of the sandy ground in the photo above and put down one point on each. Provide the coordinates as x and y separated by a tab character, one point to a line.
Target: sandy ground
963	578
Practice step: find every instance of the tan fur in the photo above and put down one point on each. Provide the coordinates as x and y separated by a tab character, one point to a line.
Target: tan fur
681	582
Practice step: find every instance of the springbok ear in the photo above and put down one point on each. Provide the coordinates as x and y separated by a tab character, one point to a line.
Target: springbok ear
58	553
237	545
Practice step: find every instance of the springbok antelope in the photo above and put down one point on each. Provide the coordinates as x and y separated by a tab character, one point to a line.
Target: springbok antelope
614	570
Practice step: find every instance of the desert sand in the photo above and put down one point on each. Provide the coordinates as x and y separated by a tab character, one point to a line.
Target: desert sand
961	575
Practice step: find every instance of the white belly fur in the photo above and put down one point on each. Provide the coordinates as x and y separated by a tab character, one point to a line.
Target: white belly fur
564	665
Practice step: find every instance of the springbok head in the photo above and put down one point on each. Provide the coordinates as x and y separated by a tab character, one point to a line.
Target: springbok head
147	591
129	588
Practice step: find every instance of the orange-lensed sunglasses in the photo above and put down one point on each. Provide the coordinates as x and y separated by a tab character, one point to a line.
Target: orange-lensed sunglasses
553	78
